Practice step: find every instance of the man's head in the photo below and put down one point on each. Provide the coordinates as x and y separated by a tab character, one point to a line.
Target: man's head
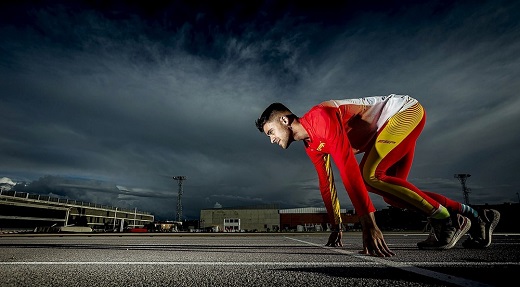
276	122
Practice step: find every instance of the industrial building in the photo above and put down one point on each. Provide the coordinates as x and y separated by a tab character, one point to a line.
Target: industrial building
269	218
254	218
314	219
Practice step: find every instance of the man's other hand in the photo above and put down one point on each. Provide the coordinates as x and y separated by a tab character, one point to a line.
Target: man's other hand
335	239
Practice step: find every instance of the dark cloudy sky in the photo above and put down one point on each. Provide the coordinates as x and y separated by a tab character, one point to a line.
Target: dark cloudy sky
104	101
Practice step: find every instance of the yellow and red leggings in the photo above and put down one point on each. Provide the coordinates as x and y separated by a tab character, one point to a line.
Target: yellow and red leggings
385	167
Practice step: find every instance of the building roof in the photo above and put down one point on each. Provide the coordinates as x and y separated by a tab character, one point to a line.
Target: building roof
307	210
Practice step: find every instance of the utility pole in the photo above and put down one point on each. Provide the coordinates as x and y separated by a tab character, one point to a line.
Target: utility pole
465	191
179	179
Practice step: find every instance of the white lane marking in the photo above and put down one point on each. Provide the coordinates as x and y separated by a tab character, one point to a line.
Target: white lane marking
257	263
185	263
408	267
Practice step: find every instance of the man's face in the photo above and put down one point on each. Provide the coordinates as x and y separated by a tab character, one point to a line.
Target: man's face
279	132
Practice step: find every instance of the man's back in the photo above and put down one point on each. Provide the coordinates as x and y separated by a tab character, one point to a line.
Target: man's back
363	117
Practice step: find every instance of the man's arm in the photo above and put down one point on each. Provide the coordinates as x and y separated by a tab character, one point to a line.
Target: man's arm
322	164
328	191
343	155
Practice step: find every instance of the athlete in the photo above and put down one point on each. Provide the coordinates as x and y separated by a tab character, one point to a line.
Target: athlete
385	129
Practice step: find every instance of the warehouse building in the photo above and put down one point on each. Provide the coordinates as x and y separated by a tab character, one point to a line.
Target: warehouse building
269	218
263	218
314	219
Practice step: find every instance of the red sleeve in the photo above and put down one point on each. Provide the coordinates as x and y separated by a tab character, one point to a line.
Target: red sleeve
338	146
328	190
346	162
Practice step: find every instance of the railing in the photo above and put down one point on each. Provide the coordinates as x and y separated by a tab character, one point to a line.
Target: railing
65	201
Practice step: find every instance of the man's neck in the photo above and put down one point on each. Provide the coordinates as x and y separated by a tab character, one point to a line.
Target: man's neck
299	132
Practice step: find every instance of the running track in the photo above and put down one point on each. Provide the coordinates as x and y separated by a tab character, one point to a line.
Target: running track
247	259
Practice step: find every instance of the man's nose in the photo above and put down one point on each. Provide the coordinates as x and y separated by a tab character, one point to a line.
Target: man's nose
272	139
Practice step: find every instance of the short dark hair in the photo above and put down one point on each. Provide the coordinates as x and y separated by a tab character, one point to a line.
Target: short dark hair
268	113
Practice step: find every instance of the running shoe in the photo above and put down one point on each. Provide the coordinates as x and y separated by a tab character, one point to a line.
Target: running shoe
481	233
444	233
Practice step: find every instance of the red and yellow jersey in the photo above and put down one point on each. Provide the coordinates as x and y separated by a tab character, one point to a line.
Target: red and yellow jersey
339	129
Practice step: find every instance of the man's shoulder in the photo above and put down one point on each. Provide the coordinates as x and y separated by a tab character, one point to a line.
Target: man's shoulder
319	122
320	111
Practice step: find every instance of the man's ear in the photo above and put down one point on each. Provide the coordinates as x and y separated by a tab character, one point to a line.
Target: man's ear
285	120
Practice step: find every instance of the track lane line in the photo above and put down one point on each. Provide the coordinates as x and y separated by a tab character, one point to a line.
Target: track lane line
403	266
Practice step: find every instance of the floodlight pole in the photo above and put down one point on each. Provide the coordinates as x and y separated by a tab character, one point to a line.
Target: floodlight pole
465	191
179	179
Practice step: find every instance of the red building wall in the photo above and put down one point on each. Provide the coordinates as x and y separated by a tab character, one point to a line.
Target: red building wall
292	220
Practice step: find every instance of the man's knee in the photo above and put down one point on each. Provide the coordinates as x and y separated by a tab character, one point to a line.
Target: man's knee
372	179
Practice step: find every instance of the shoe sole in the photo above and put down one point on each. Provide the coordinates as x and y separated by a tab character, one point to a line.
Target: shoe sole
466	225
492	225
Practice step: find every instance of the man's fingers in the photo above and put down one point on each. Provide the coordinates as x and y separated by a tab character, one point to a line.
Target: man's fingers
380	250
383	249
387	251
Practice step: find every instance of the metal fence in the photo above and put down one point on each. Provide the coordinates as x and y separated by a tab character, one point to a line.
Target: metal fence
63	200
